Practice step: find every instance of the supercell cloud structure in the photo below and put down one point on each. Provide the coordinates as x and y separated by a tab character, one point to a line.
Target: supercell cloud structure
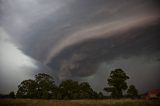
81	40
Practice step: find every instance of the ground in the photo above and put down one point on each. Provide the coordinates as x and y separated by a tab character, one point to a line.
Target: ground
108	102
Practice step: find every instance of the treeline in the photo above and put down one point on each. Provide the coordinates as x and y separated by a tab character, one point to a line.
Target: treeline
43	87
10	95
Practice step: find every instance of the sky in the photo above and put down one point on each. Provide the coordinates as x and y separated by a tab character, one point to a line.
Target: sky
82	40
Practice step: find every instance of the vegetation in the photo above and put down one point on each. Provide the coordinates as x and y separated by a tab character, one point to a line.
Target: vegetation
43	87
73	93
108	102
10	95
70	89
117	83
132	92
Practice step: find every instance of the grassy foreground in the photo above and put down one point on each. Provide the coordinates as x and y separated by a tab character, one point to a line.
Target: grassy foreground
122	102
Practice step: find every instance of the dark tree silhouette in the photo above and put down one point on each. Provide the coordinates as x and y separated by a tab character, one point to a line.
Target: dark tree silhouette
69	89
117	83
11	94
132	92
27	89
86	91
43	87
46	87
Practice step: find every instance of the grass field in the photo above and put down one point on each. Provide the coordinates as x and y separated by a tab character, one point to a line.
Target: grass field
122	102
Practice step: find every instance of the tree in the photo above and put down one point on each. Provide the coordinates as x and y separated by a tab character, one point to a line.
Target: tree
86	91
11	94
100	95
46	87
42	87
27	89
132	92
117	83
69	89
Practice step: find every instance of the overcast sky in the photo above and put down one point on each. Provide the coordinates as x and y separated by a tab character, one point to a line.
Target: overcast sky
82	40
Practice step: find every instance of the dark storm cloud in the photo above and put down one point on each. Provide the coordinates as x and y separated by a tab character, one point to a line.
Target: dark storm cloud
43	26
80	22
82	59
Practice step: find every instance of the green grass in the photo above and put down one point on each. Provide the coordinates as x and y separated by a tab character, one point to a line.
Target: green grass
108	102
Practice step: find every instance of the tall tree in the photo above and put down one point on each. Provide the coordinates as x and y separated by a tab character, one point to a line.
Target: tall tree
69	89
86	91
132	92
27	89
42	87
46	87
117	83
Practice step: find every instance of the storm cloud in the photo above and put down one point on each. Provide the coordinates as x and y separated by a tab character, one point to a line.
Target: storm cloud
83	58
82	39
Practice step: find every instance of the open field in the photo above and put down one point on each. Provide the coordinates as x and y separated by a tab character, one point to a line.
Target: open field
122	102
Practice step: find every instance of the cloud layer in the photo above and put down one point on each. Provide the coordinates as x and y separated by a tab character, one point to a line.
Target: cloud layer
82	59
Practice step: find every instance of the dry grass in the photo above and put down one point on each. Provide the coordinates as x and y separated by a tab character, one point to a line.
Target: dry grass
109	102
